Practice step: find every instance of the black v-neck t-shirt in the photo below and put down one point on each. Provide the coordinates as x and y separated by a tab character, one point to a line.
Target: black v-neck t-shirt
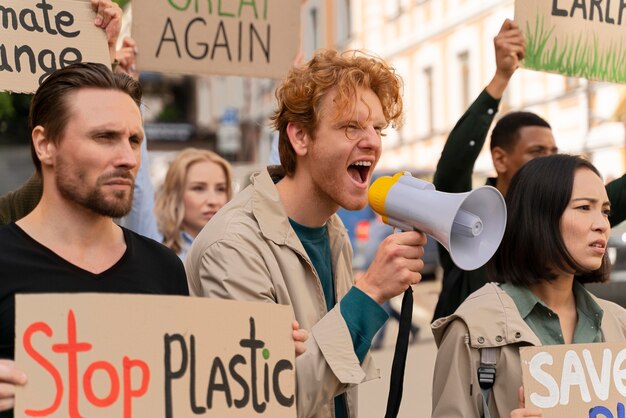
26	266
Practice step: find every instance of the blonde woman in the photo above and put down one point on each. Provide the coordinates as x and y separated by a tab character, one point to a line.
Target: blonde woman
197	184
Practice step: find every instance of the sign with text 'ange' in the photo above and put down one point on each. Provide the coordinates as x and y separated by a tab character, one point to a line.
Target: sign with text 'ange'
257	38
575	380
113	355
38	37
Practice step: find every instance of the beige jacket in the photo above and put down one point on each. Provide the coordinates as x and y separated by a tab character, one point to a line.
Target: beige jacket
250	252
489	318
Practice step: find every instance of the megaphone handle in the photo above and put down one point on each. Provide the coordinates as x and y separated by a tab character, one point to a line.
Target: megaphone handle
399	357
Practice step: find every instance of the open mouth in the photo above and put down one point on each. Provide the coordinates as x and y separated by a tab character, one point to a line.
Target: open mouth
359	171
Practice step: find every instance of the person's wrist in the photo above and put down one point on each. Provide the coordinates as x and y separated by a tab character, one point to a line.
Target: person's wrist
370	291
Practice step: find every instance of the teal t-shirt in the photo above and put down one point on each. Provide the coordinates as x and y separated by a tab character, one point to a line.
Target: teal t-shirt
362	314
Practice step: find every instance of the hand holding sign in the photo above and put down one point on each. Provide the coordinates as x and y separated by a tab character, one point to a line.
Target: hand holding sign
9	377
299	338
510	48
109	18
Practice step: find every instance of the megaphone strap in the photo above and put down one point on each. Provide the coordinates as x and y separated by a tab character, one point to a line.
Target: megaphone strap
399	357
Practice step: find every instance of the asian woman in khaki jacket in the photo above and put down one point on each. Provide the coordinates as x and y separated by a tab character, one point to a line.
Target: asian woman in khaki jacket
556	240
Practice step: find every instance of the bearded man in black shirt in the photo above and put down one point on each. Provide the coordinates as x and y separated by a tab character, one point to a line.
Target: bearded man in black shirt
86	134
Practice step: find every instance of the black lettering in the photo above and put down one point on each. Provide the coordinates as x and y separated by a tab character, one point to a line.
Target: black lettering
221	29
253	344
278	393
168	24
205	51
556	11
622	6
240	28
213	386
45	8
192	378
266	47
48	69
266	382
64	62
595	4
65	19
5	66
579	4
6	13
19	51
239	359
608	18
170	374
33	26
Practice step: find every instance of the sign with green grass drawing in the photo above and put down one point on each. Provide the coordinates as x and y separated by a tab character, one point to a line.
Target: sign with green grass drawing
580	38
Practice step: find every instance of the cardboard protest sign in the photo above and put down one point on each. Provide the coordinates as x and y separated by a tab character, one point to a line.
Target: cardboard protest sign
576	380
37	37
258	38
113	355
583	38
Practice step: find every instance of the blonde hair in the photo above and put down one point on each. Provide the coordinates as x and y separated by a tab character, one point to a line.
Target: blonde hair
301	92
169	204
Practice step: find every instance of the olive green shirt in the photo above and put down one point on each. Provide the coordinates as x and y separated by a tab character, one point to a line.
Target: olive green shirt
545	322
19	203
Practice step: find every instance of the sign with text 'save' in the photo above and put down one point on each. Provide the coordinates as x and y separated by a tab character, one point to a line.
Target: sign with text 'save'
113	355
38	37
580	38
575	380
257	38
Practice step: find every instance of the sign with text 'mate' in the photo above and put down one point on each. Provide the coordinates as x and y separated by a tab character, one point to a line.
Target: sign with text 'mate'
576	380
257	38
38	37
113	355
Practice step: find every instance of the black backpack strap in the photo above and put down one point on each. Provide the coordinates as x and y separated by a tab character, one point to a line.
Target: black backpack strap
487	375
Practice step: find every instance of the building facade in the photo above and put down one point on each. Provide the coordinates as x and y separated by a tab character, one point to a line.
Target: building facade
443	49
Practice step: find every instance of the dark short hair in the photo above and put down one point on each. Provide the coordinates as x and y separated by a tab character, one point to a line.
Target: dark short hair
533	246
506	132
49	106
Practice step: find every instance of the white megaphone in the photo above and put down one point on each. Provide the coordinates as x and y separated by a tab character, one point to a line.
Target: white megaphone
470	225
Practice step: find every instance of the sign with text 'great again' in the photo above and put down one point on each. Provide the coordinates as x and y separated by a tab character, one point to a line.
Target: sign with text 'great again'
38	37
112	355
257	38
581	38
576	380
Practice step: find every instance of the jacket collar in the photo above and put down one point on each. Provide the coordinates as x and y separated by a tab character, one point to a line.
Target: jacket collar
492	320
272	218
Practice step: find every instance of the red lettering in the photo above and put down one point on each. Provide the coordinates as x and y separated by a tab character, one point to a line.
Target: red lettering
129	392
136	374
56	376
114	391
72	348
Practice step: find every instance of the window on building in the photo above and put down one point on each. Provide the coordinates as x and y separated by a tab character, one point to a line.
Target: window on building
430	102
394	9
313	16
343	27
464	68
